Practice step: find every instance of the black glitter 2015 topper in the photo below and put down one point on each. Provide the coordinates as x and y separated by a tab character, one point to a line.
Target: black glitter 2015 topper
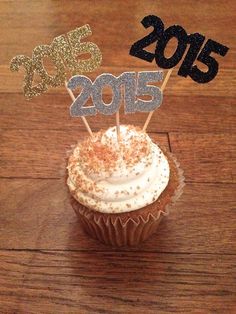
196	40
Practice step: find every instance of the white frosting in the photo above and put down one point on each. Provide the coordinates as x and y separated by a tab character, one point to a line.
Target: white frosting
128	187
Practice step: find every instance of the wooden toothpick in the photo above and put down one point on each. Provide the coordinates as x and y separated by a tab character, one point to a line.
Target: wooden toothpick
162	89
82	117
118	125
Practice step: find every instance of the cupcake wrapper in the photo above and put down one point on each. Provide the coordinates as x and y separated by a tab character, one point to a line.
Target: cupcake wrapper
116	231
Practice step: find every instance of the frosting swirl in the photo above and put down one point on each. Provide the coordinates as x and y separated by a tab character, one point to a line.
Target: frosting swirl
114	178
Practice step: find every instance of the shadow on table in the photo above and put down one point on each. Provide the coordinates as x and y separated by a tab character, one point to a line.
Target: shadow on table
120	275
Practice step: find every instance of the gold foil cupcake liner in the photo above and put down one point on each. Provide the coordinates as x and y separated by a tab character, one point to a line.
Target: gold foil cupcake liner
119	230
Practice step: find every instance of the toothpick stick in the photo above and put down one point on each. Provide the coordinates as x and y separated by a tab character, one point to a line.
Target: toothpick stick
118	125
82	117
162	89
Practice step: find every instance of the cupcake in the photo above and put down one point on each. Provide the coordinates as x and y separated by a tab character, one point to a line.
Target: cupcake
120	190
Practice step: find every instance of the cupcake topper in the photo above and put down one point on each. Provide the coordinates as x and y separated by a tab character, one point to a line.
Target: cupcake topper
195	51
162	36
128	86
63	52
134	86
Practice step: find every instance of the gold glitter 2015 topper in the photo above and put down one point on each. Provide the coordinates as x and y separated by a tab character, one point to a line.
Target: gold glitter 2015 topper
63	52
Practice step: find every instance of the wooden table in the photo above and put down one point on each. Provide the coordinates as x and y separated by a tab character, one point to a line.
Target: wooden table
47	263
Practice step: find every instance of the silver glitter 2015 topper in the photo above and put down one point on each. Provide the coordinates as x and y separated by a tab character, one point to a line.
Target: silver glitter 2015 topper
133	87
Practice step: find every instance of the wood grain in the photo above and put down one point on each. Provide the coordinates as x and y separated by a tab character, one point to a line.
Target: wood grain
48	265
177	114
36	214
24	37
122	17
116	282
41	153
206	158
222	85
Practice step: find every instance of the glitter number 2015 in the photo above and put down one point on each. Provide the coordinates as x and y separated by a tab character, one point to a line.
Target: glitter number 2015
132	87
195	41
63	52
